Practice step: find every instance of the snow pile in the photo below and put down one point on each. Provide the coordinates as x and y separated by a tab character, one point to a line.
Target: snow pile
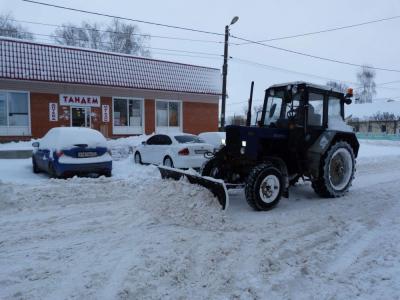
21	145
122	147
181	203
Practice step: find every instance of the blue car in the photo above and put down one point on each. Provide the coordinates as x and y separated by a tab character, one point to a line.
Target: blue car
68	151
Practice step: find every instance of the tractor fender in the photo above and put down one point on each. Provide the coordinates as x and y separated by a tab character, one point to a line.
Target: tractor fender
323	143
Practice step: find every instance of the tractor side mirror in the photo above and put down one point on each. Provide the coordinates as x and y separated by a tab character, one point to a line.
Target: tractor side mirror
349	95
272	110
347	100
35	144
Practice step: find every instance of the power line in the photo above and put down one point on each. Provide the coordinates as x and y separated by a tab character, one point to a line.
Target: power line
213	33
118	32
124	18
313	56
287	70
324	30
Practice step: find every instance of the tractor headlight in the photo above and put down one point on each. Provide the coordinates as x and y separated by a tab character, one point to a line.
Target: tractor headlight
223	142
242	150
244	143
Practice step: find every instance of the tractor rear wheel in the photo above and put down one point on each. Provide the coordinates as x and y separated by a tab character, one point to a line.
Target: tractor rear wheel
336	172
264	187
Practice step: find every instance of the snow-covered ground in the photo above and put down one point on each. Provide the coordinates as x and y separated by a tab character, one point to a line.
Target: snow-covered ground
135	236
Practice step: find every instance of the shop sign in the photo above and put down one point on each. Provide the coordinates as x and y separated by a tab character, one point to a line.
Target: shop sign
80	100
106	113
53	112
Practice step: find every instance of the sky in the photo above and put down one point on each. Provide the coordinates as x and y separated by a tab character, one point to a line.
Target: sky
375	44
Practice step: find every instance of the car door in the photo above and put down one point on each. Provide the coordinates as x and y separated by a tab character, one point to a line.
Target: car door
42	157
164	144
148	149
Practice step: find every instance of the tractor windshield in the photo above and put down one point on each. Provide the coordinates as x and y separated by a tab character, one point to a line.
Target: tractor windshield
278	108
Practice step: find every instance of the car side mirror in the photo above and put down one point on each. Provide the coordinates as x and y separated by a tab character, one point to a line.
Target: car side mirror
144	143
35	144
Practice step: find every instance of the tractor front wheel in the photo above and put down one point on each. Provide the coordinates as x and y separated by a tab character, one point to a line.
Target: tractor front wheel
264	187
338	167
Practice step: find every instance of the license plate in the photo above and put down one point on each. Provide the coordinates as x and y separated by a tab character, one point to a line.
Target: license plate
87	154
200	151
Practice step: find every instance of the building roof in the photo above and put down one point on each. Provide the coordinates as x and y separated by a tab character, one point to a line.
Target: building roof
24	60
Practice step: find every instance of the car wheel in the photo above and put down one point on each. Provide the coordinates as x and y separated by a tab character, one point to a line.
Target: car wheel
138	158
168	162
34	166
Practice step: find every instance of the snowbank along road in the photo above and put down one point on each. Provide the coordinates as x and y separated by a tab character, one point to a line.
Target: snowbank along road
135	236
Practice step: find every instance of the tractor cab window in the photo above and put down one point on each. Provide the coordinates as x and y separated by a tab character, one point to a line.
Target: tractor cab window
274	107
315	109
334	108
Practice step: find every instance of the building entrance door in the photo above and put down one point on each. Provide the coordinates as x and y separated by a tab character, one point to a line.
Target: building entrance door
80	116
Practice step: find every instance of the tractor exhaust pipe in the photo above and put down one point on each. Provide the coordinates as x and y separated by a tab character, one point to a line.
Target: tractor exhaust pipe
248	120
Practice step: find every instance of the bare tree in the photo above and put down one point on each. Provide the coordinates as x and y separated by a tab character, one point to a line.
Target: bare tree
116	37
70	35
9	28
366	78
337	85
123	37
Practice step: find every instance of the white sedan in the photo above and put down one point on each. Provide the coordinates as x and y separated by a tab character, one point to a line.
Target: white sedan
173	150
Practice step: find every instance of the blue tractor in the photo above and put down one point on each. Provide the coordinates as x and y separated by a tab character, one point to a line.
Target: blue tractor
300	133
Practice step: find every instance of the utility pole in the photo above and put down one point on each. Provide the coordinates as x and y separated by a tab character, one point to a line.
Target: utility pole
224	75
225	71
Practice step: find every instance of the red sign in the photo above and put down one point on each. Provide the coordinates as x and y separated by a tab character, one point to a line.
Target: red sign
53	112
106	113
80	100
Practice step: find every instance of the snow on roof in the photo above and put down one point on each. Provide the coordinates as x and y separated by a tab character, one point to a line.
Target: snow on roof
25	60
317	86
66	137
365	111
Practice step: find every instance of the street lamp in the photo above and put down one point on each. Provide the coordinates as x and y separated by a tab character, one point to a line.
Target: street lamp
225	71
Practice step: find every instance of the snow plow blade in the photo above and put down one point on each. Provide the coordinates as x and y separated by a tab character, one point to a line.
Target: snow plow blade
215	186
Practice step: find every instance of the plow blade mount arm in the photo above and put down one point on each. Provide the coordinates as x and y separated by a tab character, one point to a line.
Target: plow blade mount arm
215	186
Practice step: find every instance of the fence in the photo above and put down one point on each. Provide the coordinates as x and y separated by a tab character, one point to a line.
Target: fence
378	136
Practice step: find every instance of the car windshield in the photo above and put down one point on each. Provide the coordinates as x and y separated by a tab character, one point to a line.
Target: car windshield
184	139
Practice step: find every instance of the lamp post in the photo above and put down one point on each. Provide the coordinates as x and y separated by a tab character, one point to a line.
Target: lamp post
225	71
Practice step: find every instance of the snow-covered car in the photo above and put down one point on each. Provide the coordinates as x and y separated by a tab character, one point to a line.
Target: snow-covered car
67	151
179	150
217	138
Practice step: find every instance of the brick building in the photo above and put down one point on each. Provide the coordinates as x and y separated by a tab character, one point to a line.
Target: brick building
44	86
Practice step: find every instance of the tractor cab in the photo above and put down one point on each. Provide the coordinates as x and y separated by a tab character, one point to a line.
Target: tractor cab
303	105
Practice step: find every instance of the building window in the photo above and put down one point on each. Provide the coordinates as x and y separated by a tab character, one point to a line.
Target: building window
127	116
168	114
14	113
383	128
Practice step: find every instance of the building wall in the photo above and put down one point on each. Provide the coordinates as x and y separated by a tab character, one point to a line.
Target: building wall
196	116
149	116
390	127
200	117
